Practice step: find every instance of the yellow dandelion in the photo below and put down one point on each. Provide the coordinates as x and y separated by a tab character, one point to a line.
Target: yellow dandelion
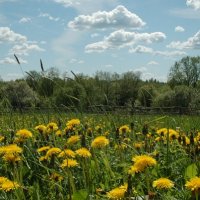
52	151
69	163
41	128
193	184
117	193
58	133
73	139
163	183
11	157
42	149
124	129
83	152
10	149
99	142
72	123
9	185
67	153
142	162
2	180
42	158
24	133
52	127
138	145
56	177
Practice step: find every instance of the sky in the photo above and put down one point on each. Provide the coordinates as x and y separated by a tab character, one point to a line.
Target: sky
86	36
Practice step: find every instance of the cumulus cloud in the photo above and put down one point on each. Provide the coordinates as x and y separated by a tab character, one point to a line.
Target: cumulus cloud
179	29
116	18
191	43
49	17
9	60
152	63
87	6
7	35
148	50
24	49
24	20
121	38
194	4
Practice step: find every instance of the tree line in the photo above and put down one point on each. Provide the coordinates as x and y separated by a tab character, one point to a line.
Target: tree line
48	89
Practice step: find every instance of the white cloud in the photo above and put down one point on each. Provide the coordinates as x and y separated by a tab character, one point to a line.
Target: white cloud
120	39
46	15
87	6
120	17
9	60
7	35
24	49
191	43
179	29
94	35
76	61
24	20
194	4
152	63
148	50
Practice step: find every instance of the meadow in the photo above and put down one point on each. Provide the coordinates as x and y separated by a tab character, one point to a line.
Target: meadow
74	156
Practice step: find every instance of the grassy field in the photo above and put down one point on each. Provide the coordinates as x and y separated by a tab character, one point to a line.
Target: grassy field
57	155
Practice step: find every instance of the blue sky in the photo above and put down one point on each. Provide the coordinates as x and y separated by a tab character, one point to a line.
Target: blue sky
86	36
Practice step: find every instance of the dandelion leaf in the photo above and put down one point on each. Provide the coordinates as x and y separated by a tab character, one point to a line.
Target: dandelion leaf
191	171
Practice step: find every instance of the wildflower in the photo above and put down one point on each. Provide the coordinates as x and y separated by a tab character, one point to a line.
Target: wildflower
42	158
164	131
52	151
10	149
67	153
9	185
56	177
58	133
3	179
83	152
117	193
24	133
138	145
73	139
52	127
163	183
69	163
41	128
141	163
193	184
11	157
99	142
44	148
124	129
72	123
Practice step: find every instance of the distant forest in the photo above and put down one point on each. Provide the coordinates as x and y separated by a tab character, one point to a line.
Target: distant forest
49	89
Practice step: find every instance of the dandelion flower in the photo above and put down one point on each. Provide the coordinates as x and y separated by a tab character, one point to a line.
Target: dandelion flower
10	149
193	184
11	157
41	128
52	127
73	139
24	133
142	162
42	149
2	138
117	193
83	152
124	129
99	142
163	183
71	123
56	177
53	151
9	185
69	163
67	153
